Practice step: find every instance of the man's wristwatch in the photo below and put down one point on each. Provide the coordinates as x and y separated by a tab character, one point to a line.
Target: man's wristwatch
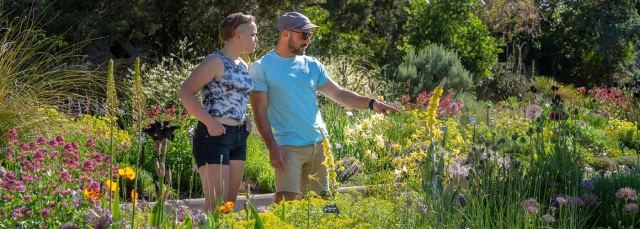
371	103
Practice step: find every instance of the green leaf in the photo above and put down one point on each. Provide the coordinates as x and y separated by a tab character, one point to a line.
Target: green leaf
115	208
281	211
259	223
187	223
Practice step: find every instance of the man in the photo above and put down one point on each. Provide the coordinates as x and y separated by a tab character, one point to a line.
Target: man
284	97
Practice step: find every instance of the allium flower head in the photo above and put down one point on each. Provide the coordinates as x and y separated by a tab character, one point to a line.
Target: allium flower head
531	206
631	208
590	199
627	193
547	219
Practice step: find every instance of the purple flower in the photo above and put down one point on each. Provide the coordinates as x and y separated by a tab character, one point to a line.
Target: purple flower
531	206
53	143
88	166
547	219
590	199
473	121
68	226
588	184
560	200
631	208
461	201
13	134
90	143
33	145
16	215
262	208
65	177
533	111
45	212
41	140
60	139
627	193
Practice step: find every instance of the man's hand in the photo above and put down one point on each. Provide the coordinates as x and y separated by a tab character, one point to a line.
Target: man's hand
382	108
278	159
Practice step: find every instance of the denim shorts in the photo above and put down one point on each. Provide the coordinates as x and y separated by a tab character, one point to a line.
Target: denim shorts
232	145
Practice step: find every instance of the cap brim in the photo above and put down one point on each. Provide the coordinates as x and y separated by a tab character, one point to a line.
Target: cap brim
309	26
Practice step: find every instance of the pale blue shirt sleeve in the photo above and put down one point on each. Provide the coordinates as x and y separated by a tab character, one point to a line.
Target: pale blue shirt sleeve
322	74
258	77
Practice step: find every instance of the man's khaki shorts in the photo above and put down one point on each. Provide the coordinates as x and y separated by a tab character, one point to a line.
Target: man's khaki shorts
303	161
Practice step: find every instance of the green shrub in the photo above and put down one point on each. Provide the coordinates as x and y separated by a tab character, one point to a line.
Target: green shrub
424	69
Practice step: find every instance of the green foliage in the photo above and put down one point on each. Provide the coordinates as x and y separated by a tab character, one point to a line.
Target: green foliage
36	72
605	188
453	24
424	69
589	42
508	78
257	167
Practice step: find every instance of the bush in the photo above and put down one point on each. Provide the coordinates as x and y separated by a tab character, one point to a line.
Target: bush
426	68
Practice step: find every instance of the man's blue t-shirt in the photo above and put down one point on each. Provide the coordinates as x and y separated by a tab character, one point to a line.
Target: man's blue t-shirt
291	85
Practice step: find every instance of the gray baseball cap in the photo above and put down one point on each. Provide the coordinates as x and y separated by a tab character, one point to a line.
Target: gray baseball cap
294	20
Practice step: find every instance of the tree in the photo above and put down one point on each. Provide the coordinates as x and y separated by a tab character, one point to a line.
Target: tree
453	24
589	42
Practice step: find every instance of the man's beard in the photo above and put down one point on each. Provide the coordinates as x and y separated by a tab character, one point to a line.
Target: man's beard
300	50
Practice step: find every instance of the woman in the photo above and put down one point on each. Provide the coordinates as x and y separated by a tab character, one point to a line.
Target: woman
219	144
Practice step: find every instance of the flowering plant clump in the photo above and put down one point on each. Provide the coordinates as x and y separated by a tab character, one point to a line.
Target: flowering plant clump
48	181
447	107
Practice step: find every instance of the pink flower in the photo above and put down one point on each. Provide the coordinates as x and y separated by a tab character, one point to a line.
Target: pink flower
33	145
9	176
66	192
89	166
45	213
52	204
27	177
20	187
41	140
74	145
23	146
16	215
53	143
13	142
30	213
90	143
65	177
8	198
60	139
12	134
27	197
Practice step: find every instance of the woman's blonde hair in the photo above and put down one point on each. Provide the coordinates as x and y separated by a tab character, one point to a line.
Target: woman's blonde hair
230	23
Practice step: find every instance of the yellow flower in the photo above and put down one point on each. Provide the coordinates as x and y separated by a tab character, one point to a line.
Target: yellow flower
113	186
127	173
93	194
134	196
226	208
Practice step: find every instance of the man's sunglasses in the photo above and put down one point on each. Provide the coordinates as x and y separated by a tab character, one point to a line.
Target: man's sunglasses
304	35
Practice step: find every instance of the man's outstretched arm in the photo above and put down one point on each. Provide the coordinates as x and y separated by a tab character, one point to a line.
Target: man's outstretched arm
350	99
